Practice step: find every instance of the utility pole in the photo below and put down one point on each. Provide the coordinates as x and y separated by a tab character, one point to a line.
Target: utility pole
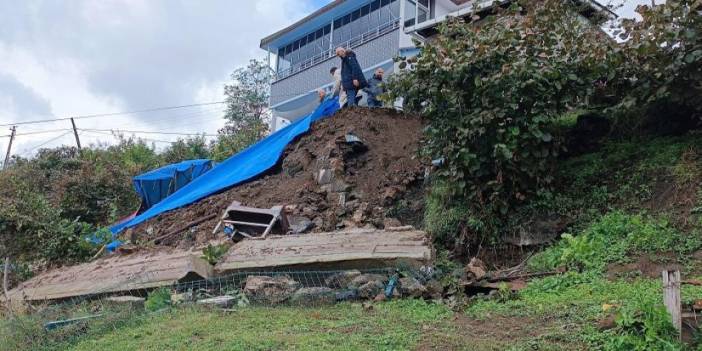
75	132
9	147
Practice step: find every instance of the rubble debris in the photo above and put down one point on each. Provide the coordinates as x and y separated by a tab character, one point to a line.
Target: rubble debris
272	290
342	279
135	301
358	247
225	301
411	287
313	296
300	224
370	289
476	269
324	180
145	269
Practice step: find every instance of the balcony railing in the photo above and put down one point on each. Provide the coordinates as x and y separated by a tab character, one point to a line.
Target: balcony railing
351	43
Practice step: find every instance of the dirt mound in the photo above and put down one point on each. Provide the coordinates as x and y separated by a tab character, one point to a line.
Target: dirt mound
327	177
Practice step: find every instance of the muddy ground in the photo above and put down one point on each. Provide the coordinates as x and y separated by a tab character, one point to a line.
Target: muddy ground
324	179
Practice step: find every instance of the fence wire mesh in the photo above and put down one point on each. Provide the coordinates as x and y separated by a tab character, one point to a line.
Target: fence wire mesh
44	325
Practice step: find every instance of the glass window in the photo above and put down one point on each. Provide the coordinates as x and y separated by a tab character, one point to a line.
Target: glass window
365	10
375	5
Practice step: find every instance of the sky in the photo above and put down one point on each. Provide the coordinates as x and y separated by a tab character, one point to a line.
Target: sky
70	58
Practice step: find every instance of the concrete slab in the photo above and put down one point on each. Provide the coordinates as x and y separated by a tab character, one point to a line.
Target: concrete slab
354	248
119	273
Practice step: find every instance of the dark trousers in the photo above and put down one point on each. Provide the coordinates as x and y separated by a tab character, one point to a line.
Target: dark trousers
351	97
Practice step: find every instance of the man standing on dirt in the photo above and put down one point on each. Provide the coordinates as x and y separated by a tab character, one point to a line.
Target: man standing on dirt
352	79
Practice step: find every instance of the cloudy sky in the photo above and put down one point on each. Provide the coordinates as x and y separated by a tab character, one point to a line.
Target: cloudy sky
61	58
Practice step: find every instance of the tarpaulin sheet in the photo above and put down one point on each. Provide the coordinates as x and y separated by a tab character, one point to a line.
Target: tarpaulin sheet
237	169
160	183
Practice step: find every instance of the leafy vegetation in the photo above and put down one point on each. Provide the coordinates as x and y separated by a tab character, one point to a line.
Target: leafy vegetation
213	253
491	94
158	300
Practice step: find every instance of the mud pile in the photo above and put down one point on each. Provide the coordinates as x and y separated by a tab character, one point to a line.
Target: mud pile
357	168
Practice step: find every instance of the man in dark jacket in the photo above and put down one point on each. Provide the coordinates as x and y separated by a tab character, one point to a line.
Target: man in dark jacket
352	79
375	88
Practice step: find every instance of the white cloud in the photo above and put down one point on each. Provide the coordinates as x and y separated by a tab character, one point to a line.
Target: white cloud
86	57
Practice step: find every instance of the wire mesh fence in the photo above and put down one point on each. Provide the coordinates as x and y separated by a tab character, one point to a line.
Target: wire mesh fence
47	325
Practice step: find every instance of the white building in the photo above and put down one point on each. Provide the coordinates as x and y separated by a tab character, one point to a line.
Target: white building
302	54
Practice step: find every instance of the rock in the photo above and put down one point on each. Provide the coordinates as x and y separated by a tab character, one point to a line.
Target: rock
313	296
182	297
411	287
476	267
390	194
224	301
380	297
308	212
365	278
434	289
342	279
137	302
359	216
391	223
299	224
370	289
325	176
270	289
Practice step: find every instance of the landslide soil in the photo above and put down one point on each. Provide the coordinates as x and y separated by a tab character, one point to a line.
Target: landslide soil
371	182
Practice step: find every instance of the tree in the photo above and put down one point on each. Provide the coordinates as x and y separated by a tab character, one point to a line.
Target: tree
186	149
247	111
492	94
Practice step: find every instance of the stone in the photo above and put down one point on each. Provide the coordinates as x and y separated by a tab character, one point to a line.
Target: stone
298	224
434	289
341	279
272	290
391	223
181	298
370	289
476	267
380	297
135	301
224	301
313	296
411	287
325	176
365	278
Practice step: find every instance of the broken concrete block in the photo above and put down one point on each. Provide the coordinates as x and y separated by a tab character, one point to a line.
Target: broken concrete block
365	278
434	289
325	176
134	301
270	289
224	301
391	223
476	268
299	225
370	289
411	287
342	279
313	296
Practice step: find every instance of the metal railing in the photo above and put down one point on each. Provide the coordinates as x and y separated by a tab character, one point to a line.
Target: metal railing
327	54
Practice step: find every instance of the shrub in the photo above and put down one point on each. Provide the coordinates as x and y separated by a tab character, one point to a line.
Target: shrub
492	94
158	300
613	238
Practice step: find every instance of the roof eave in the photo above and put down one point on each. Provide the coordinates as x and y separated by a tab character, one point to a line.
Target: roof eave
267	40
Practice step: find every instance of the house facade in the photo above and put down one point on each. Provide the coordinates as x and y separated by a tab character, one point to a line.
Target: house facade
302	54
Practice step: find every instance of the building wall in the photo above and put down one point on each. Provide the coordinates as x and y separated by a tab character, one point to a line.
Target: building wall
368	54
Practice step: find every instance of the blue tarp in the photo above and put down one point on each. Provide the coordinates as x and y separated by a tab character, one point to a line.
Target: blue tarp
160	183
237	169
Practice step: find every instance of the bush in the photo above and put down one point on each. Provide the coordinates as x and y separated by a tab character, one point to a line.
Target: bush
613	238
158	300
661	71
492	94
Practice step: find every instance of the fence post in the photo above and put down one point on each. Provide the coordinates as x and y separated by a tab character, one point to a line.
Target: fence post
671	297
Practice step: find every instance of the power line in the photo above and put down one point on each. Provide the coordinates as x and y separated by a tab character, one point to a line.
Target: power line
111	114
44	143
115	136
146	132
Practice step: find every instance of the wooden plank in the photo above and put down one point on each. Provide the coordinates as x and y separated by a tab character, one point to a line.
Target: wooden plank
671	297
335	247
